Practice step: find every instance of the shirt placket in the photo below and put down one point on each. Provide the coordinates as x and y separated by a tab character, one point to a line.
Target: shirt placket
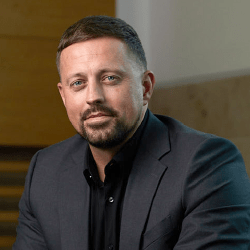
111	206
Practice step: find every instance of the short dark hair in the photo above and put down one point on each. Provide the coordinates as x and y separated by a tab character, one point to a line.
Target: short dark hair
102	26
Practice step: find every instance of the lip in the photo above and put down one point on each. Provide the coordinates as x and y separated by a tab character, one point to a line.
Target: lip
96	115
97	119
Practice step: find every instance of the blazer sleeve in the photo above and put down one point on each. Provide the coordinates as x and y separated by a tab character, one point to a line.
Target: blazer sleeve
216	198
29	233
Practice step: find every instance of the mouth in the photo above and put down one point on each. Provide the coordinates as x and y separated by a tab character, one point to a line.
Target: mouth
95	120
96	115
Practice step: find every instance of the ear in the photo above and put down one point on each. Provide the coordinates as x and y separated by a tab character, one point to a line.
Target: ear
60	88
148	86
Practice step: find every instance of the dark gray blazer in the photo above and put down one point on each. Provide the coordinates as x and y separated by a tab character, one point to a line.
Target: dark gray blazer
187	190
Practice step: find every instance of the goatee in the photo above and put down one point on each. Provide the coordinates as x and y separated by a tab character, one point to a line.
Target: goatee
108	134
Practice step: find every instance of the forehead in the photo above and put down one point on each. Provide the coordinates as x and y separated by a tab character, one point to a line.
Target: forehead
106	49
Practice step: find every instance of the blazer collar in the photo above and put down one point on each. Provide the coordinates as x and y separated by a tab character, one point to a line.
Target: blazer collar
144	179
155	139
80	151
145	175
73	197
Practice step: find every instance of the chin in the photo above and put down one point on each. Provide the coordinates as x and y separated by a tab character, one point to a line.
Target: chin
105	137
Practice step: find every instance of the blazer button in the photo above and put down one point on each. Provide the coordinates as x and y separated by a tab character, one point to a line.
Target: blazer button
111	199
111	247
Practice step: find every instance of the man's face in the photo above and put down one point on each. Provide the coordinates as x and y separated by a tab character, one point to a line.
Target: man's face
102	89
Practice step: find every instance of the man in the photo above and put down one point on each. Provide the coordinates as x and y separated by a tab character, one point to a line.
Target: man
129	179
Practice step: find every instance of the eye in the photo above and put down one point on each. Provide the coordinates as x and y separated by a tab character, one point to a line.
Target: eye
111	78
77	83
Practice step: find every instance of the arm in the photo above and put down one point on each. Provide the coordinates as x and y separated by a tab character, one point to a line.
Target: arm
216	198
29	233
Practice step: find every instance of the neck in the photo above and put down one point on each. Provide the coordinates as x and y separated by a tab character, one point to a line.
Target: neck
102	157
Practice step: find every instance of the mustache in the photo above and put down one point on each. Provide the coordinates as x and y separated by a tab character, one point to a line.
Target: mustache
98	108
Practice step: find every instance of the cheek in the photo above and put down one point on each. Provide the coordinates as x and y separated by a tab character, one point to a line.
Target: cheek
73	107
137	98
132	103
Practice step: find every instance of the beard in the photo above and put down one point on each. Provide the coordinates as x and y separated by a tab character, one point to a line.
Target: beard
108	134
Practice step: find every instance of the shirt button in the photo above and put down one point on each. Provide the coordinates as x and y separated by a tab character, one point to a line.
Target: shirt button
111	199
111	247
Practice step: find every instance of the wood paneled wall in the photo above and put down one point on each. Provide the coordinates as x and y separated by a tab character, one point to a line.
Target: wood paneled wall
32	114
219	107
31	111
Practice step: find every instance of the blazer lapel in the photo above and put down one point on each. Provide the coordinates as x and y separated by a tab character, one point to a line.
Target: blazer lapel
144	179
74	203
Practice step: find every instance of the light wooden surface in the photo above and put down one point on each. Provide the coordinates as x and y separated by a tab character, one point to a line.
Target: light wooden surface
31	110
14	166
33	18
7	241
219	107
8	191
8	216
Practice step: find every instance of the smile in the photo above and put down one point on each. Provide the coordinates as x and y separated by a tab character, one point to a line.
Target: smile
97	115
98	118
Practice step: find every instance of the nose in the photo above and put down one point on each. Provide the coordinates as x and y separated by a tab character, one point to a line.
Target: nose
94	93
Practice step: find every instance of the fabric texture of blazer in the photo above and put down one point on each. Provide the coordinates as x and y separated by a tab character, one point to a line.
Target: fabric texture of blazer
187	190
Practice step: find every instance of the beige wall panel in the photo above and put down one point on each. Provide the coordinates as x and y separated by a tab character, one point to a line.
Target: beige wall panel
31	109
219	107
47	18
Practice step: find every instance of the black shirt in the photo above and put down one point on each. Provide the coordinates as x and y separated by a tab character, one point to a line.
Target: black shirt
106	198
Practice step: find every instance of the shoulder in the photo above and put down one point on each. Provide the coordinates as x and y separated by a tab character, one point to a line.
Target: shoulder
53	158
64	147
48	164
167	136
188	144
186	136
202	161
177	127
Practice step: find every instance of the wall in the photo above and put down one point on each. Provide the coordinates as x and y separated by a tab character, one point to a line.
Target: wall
31	110
191	41
199	51
219	107
32	114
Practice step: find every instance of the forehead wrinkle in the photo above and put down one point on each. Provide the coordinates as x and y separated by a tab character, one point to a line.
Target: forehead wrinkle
116	57
90	51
